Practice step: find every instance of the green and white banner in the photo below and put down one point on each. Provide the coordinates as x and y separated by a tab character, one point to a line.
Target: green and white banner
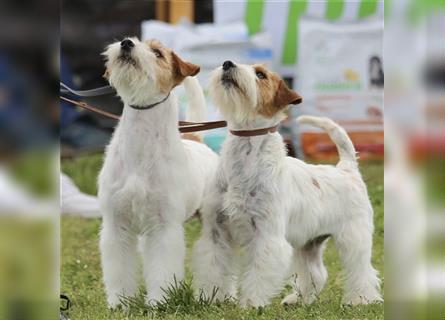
281	20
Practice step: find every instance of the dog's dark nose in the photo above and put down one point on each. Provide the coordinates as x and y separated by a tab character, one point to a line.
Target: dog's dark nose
127	44
228	64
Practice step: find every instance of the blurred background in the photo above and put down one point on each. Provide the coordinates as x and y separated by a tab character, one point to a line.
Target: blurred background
339	55
29	160
330	51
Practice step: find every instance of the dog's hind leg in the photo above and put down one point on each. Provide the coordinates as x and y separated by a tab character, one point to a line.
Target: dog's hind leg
311	272
118	248
354	244
163	253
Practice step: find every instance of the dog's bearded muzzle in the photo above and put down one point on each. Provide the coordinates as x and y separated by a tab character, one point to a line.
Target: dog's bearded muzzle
228	80
126	52
228	76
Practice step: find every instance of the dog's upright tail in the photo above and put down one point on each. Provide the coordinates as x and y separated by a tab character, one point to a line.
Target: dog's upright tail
338	135
196	109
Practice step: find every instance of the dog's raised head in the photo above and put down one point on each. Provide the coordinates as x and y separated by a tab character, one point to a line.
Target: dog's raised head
143	71
247	93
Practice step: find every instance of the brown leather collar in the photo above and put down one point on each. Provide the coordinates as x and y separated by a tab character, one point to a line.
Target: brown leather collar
184	126
255	132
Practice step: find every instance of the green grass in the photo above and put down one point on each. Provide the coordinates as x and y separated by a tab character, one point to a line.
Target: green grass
81	276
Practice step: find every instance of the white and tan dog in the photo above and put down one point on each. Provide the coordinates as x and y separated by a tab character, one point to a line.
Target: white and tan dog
279	209
151	180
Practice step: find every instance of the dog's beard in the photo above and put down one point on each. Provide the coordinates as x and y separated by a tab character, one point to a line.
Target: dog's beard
228	81
127	79
126	58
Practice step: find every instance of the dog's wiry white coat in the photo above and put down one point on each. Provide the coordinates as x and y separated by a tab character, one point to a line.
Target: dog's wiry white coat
274	206
150	183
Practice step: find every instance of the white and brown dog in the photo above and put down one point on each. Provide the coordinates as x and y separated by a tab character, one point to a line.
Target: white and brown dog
151	180
279	209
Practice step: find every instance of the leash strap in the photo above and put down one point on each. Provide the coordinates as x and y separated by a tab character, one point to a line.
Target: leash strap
88	107
101	91
184	126
187	127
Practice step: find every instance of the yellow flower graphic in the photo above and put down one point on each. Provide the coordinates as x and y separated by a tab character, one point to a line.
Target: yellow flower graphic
351	75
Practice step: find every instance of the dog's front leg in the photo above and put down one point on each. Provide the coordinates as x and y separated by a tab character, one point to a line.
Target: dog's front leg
163	251
268	259
118	248
213	262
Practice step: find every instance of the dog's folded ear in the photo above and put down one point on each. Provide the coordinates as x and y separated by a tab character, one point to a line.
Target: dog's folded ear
286	96
183	69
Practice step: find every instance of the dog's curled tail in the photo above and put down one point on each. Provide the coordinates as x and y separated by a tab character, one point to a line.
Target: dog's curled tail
197	109
338	135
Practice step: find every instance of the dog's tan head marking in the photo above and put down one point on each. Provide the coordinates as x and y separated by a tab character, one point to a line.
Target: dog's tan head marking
183	69
245	93
173	69
275	94
144	70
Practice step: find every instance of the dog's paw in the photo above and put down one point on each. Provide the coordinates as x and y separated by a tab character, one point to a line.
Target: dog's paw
114	303
119	307
360	299
151	302
292	298
296	297
114	307
253	303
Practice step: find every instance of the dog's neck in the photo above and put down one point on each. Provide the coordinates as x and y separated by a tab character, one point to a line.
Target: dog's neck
254	143
258	123
250	151
143	132
249	162
150	105
152	123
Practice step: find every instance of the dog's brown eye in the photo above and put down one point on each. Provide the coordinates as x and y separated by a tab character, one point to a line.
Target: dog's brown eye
157	53
260	75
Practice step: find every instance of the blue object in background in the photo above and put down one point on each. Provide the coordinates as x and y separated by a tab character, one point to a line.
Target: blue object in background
22	124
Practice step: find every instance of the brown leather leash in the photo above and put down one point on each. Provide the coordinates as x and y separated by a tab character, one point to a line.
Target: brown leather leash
88	107
184	126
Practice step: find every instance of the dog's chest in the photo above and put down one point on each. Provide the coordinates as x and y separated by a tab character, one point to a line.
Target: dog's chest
243	163
248	198
143	178
144	191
